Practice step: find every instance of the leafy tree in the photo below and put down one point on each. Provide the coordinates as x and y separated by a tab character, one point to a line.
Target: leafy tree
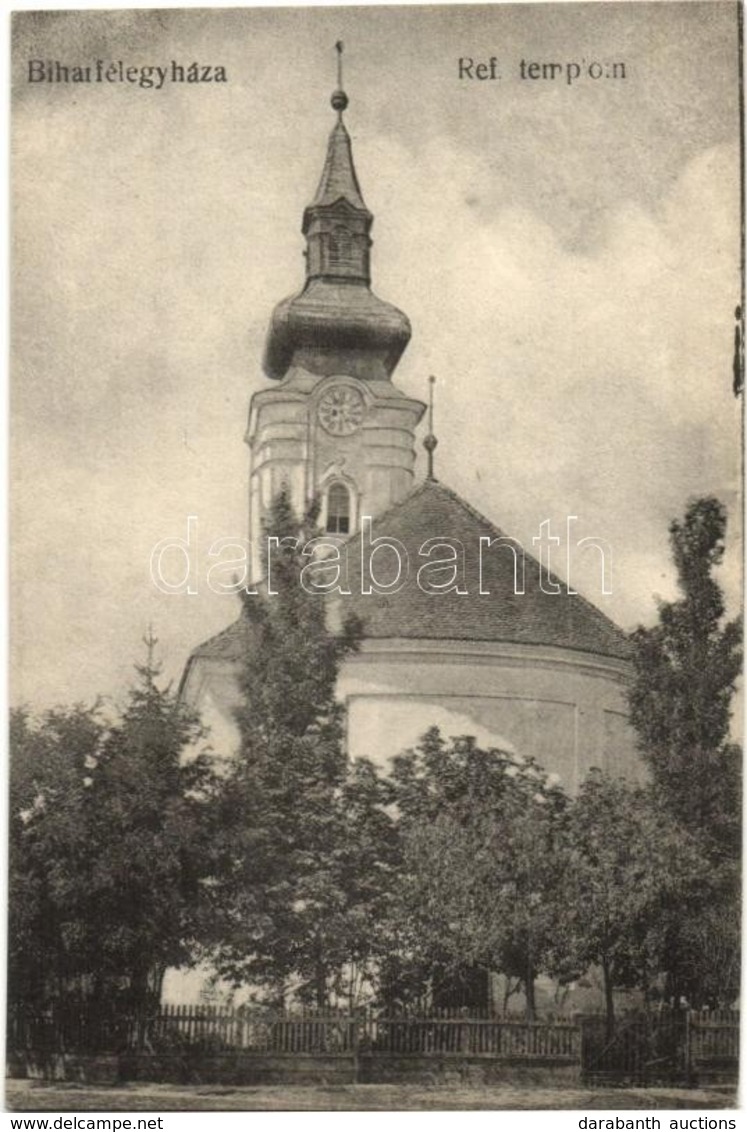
685	672
686	667
483	843
109	847
49	851
294	907
634	877
707	949
368	867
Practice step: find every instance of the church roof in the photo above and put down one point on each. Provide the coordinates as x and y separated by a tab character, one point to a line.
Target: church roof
340	315
229	644
563	619
432	510
338	180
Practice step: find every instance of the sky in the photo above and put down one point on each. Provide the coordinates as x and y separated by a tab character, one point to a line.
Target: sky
567	253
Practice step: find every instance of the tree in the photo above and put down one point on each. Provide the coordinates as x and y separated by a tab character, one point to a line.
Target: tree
635	877
110	826
685	672
287	889
708	950
368	867
50	767
153	802
483	849
680	704
686	667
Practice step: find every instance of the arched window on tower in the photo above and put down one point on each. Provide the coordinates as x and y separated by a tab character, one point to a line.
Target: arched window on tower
338	510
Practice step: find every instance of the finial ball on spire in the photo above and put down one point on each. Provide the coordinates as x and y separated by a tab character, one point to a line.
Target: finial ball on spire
339	101
430	442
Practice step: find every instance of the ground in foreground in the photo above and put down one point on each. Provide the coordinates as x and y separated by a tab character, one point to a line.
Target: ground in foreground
33	1096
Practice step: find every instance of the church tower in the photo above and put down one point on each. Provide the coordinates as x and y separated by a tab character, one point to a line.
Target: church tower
334	426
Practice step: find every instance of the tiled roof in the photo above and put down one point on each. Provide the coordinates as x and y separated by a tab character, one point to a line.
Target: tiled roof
563	620
229	644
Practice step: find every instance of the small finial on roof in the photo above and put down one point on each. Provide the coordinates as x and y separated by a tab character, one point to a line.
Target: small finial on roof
430	442
339	99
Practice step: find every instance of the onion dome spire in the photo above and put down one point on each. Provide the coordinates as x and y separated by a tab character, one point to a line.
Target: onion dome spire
336	318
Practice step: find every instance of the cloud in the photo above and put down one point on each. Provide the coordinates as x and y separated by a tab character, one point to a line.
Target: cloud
596	382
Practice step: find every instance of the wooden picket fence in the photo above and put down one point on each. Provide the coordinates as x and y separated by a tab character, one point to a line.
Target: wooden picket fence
713	1037
216	1029
447	1031
668	1046
662	1046
470	1036
253	1030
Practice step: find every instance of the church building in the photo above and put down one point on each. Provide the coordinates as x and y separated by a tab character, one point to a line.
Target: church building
480	640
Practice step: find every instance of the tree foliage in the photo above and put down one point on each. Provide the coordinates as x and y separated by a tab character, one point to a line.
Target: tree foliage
686	667
634	877
299	890
483	850
109	836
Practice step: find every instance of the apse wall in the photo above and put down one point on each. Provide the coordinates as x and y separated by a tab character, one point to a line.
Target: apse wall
564	708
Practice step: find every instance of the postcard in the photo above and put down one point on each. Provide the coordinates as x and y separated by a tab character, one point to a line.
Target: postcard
376	493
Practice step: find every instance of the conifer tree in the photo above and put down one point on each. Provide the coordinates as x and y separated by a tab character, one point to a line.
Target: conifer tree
285	901
110	831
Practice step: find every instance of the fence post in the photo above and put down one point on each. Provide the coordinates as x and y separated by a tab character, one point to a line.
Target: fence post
354	1036
688	1050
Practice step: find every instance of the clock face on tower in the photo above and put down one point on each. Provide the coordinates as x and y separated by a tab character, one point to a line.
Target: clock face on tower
341	410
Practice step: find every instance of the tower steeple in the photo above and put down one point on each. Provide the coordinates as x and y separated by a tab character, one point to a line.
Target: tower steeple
336	323
339	180
337	223
332	424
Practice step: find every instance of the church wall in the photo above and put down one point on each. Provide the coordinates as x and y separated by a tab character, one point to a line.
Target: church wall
566	710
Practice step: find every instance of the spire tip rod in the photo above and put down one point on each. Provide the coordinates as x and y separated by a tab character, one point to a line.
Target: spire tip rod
339	98
430	441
